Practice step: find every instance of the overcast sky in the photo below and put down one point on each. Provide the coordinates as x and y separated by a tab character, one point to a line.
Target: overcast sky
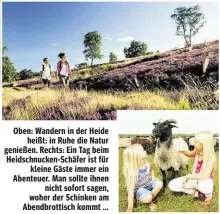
188	122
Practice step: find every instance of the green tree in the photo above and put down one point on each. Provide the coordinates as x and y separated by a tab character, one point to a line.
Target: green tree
92	43
8	69
4	49
112	57
137	48
26	74
188	21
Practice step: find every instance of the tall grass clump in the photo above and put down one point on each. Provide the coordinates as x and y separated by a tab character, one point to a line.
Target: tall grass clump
59	104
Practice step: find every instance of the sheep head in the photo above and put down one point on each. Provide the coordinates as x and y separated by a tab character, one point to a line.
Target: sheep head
163	129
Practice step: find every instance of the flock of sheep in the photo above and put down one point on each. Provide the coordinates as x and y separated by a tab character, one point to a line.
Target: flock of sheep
164	147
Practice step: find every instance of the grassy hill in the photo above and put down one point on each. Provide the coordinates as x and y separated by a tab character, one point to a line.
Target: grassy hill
170	70
173	80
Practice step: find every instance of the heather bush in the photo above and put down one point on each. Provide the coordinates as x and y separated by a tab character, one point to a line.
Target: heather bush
160	71
167	81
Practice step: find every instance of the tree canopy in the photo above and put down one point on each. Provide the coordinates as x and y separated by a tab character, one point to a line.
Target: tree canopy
92	43
112	57
188	22
8	69
137	48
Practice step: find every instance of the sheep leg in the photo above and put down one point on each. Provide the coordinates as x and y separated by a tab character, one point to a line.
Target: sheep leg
135	202
178	173
164	180
173	174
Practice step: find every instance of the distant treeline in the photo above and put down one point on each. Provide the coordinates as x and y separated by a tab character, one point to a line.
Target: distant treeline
147	135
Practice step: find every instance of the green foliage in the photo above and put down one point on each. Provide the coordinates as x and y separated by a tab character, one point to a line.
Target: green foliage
137	48
26	74
81	65
188	21
112	57
149	53
92	43
87	72
4	49
84	73
8	69
36	74
106	67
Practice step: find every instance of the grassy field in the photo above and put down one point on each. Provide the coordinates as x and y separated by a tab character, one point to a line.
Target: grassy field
55	103
147	135
168	202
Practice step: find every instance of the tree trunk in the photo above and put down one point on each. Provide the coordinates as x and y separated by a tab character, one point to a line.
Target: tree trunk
187	43
190	41
92	61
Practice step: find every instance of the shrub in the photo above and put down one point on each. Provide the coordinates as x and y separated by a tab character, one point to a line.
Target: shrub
26	74
106	67
84	73
149	53
112	57
81	65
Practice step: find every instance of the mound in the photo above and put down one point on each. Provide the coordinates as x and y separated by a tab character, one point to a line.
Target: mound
173	69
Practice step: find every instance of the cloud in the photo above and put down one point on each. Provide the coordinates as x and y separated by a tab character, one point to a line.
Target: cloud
106	37
54	44
125	39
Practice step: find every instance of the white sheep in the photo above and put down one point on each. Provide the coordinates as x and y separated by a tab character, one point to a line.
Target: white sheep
124	142
192	141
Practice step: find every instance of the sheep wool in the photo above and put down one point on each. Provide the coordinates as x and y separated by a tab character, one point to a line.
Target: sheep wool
124	142
146	142
166	158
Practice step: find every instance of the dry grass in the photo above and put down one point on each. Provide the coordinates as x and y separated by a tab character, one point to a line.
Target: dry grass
27	104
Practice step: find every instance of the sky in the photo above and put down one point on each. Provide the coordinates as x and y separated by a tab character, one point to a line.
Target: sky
188	122
34	30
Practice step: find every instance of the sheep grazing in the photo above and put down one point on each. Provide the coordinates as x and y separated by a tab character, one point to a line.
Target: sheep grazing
167	156
192	143
146	142
190	146
124	142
